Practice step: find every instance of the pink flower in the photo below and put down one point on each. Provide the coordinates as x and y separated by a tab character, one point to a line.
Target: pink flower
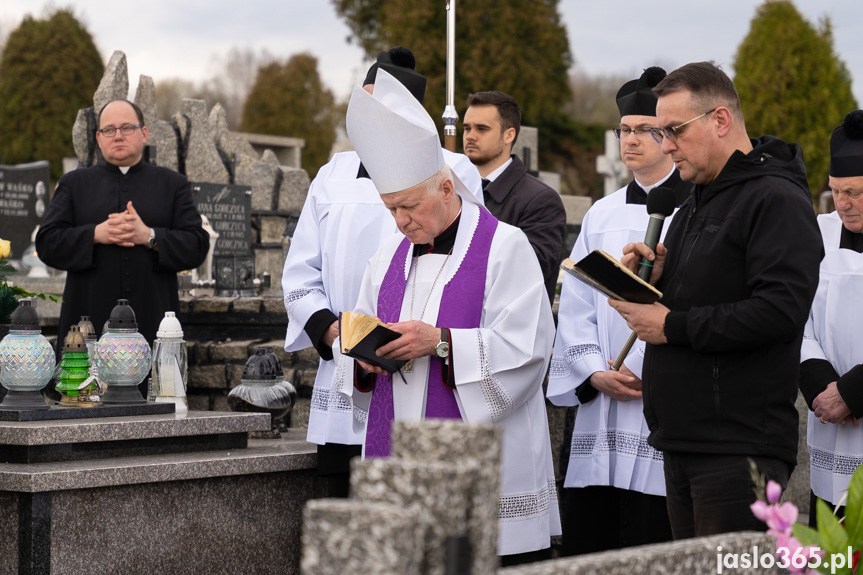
785	540
774	491
778	517
759	510
781	517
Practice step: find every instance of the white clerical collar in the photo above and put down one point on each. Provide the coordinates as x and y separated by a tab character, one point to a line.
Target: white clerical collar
657	184
124	169
499	170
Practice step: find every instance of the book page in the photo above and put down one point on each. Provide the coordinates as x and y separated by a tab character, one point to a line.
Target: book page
353	327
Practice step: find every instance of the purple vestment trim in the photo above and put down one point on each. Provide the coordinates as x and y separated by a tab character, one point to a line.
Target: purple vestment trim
461	308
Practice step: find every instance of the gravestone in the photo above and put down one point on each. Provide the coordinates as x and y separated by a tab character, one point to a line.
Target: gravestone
229	209
611	166
115	82
202	159
230	145
24	197
84	137
526	147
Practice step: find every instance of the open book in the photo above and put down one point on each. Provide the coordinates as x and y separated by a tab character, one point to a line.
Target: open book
604	273
361	335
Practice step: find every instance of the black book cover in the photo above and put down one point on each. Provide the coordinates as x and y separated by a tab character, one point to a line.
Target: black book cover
604	273
365	348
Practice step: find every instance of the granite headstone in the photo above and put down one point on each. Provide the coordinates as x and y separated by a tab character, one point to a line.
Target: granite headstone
24	197
228	209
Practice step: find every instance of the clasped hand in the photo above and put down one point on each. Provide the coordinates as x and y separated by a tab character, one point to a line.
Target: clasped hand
830	407
123	229
621	385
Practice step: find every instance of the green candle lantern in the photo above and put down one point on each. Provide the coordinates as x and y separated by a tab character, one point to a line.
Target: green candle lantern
73	387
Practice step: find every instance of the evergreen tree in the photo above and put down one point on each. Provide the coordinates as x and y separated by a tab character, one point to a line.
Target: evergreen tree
289	99
792	84
49	70
519	47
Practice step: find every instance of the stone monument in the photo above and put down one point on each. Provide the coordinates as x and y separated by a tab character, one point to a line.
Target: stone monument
611	166
444	475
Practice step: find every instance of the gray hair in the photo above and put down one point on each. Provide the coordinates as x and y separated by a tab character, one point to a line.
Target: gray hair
433	183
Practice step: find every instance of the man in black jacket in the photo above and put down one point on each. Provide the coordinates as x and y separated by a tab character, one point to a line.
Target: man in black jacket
738	271
491	125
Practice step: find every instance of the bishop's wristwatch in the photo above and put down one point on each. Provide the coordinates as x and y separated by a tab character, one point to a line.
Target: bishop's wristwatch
442	348
151	243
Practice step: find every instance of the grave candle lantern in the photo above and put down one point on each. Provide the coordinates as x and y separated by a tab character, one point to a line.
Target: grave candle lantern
260	391
123	357
74	389
26	360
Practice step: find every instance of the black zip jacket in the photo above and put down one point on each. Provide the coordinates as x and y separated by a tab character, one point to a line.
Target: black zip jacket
741	273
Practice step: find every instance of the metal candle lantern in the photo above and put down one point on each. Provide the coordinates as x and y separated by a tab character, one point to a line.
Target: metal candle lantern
123	357
259	391
26	360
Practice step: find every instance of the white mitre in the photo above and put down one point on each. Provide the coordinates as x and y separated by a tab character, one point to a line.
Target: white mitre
395	138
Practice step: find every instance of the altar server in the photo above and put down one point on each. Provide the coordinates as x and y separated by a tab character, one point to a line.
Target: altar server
831	370
614	491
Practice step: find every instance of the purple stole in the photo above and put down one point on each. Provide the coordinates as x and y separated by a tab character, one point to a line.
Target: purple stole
460	308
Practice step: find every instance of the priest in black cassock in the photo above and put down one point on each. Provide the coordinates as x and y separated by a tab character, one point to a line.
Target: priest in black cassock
121	230
614	491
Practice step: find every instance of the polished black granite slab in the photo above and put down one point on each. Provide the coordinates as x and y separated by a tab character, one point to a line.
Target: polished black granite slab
57	412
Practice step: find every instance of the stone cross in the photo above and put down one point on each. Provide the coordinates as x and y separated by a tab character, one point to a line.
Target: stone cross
611	166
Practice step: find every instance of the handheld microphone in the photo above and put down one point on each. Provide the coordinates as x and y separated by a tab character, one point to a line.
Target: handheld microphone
660	205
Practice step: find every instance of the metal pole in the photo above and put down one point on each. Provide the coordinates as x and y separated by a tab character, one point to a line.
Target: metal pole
450	116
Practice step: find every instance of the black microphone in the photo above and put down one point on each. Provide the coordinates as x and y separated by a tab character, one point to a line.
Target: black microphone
660	204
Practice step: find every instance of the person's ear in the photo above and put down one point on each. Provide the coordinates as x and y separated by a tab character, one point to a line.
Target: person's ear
723	120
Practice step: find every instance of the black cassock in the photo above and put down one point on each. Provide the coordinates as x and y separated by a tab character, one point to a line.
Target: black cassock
98	275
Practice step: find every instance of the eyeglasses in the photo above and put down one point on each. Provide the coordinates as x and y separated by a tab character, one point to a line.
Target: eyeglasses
126	130
623	132
674	132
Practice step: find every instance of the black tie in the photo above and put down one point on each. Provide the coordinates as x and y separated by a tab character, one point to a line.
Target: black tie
485	184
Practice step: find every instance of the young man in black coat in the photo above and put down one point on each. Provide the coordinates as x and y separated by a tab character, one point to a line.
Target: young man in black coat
491	125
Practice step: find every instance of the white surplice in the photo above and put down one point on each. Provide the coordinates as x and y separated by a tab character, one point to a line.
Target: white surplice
609	439
834	332
498	368
342	224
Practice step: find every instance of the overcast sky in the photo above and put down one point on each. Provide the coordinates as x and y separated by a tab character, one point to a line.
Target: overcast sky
180	38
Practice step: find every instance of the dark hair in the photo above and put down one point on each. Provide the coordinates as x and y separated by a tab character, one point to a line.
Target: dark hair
135	107
507	108
709	85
